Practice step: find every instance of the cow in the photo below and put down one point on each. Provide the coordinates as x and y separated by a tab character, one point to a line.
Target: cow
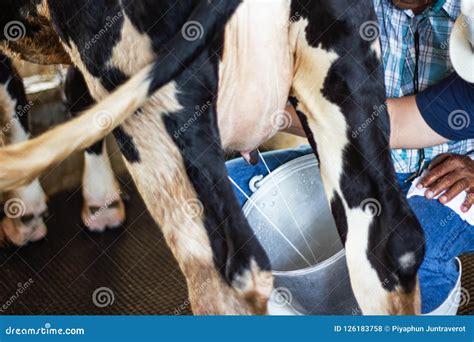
26	209
178	81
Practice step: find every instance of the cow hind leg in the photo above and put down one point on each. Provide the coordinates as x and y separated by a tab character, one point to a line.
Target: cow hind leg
338	86
25	208
178	166
103	206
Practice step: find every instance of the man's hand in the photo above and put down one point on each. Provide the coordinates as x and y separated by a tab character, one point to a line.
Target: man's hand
451	173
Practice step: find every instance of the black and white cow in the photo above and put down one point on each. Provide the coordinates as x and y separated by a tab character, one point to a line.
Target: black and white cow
25	207
187	78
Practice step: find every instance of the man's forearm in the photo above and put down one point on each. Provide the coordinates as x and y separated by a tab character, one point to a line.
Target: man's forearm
409	130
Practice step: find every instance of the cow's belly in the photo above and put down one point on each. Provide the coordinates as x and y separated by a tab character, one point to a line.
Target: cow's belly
255	74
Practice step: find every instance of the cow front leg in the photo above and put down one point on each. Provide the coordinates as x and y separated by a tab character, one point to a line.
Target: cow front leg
382	239
338	86
178	165
25	208
103	206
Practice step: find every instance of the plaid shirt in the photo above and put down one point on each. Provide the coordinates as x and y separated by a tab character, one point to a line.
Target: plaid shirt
397	28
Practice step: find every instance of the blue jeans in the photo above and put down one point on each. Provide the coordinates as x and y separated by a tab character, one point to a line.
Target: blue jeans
447	236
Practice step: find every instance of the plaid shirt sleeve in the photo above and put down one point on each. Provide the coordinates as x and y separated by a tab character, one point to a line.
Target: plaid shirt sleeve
397	36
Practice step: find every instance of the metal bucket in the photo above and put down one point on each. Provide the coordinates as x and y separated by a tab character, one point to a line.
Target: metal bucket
291	218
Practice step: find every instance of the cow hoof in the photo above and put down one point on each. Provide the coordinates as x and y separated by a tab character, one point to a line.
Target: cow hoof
98	218
20	234
248	294
255	286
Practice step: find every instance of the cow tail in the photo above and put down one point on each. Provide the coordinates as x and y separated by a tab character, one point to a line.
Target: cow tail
21	163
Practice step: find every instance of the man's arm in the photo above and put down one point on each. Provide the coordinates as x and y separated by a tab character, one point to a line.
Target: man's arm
408	126
448	108
442	113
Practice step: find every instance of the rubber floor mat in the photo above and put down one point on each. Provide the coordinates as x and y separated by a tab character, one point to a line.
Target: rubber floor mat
467	285
129	270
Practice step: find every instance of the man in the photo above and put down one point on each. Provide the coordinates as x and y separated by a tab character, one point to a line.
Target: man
414	36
